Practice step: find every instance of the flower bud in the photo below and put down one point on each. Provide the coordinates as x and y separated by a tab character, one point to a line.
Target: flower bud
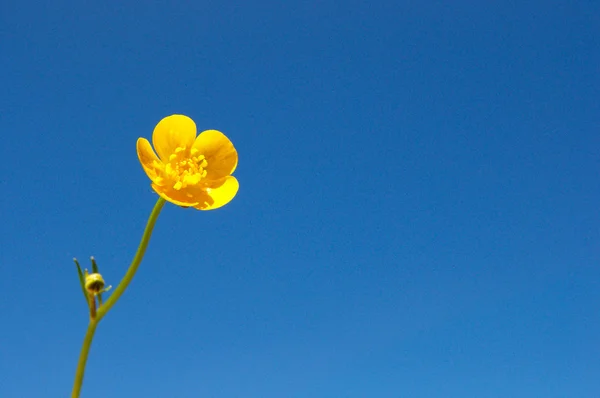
94	283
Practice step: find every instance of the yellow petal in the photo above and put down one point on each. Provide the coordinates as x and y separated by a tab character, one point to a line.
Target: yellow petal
172	132
184	197
221	195
220	154
150	162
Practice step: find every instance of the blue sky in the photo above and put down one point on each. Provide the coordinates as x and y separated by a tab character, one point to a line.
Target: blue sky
418	213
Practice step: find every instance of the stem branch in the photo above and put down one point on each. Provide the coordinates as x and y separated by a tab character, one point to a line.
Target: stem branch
114	297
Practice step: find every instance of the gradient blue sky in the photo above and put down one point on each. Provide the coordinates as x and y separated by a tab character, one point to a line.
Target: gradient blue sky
418	213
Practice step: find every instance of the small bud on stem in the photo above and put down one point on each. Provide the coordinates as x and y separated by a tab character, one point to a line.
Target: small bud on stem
94	283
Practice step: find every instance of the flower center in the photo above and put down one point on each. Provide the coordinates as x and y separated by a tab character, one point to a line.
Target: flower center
186	169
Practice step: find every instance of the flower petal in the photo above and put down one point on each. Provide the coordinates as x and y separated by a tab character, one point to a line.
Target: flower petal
150	162
220	154
172	132
221	195
184	197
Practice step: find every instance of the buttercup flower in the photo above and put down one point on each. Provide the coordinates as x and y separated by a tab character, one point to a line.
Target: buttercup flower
189	171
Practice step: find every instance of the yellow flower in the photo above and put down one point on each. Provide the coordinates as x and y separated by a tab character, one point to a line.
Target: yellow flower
189	171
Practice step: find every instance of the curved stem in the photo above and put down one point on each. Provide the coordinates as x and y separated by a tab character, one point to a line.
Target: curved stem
135	263
114	297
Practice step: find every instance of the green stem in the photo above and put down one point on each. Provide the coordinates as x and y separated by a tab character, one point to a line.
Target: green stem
139	255
114	297
85	349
